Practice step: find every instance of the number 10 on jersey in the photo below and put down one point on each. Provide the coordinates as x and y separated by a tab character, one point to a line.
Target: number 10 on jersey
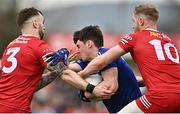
159	50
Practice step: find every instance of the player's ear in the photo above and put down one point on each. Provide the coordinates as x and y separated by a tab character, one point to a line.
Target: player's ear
34	22
89	43
141	21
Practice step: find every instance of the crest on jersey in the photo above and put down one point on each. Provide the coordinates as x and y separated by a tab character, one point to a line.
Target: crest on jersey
153	34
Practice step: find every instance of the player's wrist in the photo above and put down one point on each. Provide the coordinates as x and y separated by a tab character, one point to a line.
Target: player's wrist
82	73
90	88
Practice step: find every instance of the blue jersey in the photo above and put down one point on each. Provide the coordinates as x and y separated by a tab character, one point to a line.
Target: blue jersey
128	89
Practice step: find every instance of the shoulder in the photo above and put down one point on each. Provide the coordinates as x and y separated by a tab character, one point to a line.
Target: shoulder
38	41
102	51
38	44
137	34
82	63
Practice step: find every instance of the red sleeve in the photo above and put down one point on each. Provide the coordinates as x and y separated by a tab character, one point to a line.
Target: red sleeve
127	42
42	50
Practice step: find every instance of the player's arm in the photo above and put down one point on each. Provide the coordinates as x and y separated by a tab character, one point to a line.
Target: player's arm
101	61
69	76
77	81
49	77
110	77
46	79
75	67
110	82
74	79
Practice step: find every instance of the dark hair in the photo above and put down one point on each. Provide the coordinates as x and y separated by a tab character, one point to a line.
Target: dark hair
148	10
25	14
76	36
92	33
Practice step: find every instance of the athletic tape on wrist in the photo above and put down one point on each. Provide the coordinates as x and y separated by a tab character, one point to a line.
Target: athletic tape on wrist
90	88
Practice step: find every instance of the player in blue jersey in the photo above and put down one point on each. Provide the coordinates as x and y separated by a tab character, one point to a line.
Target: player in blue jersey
118	77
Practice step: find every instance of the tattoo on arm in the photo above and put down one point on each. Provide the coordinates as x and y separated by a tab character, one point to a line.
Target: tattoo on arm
46	79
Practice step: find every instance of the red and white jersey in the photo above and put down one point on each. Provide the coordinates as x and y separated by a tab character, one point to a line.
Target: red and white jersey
22	68
157	59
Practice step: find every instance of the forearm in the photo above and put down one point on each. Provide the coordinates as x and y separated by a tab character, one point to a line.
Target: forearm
110	77
75	67
94	66
46	79
101	61
75	80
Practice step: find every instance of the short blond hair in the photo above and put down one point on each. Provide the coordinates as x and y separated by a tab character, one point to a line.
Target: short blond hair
148	10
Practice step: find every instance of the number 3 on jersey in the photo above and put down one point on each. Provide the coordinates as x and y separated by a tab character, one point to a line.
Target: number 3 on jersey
12	52
159	50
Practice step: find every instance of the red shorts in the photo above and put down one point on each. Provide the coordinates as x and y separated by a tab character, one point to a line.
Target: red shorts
159	102
7	109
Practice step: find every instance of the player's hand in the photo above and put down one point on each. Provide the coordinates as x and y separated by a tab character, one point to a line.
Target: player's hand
60	55
82	96
102	91
92	97
74	56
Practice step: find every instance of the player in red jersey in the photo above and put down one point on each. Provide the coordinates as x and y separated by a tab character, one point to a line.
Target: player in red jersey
23	64
157	59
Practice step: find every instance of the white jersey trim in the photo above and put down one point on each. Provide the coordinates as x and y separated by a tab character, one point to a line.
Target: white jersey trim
145	102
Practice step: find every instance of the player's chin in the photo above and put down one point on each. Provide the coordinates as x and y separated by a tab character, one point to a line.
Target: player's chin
83	58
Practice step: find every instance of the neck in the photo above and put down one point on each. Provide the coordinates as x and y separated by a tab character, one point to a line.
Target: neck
30	33
150	26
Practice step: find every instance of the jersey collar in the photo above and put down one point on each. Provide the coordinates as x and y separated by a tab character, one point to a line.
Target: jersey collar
99	52
28	36
151	29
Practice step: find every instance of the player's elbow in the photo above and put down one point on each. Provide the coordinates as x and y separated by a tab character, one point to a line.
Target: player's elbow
114	87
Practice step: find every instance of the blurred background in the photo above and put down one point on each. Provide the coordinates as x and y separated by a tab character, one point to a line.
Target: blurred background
62	18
